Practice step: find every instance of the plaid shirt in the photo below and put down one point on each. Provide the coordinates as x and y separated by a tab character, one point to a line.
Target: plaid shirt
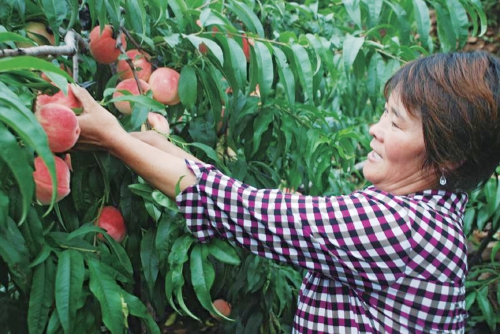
376	262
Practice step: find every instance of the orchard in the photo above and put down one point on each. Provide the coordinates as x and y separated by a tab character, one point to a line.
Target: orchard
276	94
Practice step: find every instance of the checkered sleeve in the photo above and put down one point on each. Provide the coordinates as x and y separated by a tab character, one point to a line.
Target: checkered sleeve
361	239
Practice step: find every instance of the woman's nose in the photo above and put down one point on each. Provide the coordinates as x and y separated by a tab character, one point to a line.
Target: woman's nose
376	131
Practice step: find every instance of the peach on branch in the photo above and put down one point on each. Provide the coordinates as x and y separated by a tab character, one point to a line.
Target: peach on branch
103	45
164	83
68	100
60	125
129	85
112	221
43	180
158	122
38	32
140	59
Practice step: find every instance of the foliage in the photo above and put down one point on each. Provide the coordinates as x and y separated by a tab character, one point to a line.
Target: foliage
320	67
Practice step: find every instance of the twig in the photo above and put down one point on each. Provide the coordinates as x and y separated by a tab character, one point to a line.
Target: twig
72	40
129	61
131	39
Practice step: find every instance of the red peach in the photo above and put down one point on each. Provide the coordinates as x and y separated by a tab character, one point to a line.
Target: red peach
164	83
140	59
158	122
223	307
60	125
129	85
103	46
112	221
43	180
68	100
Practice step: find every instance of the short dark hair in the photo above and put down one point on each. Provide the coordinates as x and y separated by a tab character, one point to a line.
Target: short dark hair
457	96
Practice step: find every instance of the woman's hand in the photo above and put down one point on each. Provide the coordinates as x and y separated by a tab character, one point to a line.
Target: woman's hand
99	128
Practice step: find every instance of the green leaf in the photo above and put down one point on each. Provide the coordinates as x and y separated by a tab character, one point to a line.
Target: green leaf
286	76
179	8
304	70
56	12
138	309
404	22
214	48
261	124
69	284
374	9
41	296
235	63
224	252
14	252
188	87
12	37
486	308
354	11
247	16
17	162
350	49
135	15
459	21
14	114
470	299
202	277
445	30
32	232
421	13
477	4
149	259
109	295
373	83
265	67
146	101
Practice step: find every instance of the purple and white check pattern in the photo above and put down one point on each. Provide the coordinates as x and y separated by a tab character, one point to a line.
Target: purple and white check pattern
376	262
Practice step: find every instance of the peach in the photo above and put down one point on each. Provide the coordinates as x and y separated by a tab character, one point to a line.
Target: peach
112	221
60	125
43	180
164	83
103	46
68	100
38	32
140	59
158	122
223	307
129	85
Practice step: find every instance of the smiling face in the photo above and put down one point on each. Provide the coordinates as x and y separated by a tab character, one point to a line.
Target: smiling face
398	151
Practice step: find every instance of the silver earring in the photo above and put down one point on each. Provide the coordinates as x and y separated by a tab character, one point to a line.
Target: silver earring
442	180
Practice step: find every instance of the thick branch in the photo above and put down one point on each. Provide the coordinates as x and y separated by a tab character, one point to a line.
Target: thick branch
73	42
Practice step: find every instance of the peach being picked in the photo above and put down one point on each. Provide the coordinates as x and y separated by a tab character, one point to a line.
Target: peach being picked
140	59
103	46
43	180
164	83
112	221
68	100
129	85
60	125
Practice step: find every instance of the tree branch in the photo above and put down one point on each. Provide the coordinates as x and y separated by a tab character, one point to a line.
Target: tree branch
73	43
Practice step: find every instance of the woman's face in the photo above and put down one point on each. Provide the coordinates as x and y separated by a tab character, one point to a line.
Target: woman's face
398	150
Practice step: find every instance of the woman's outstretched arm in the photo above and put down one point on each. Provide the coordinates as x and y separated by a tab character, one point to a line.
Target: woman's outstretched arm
162	167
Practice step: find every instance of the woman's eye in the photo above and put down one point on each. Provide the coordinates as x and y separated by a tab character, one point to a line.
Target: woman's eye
394	125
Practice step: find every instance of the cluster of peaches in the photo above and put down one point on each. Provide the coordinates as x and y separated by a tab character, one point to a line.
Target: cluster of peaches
56	113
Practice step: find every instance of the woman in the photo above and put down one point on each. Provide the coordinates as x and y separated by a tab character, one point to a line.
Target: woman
390	258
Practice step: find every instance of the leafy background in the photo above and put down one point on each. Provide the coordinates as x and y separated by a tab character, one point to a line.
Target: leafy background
320	67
